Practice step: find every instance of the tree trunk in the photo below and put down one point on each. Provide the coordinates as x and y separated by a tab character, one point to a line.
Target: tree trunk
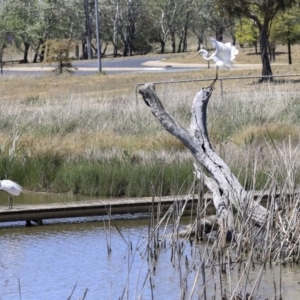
255	46
126	49
1	58
266	70
116	32
233	40
272	48
289	52
173	42
104	49
185	31
26	49
200	41
226	189
179	46
131	39
37	51
162	47
42	54
88	30
185	40
115	52
219	32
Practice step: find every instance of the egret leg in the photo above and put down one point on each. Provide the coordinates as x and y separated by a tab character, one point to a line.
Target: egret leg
213	83
10	201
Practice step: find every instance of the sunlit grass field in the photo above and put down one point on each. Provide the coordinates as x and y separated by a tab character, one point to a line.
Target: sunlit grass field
92	135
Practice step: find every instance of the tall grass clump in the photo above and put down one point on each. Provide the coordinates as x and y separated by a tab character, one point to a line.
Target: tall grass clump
251	264
110	145
122	178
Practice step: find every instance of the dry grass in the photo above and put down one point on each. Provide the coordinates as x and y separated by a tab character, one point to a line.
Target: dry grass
78	115
99	118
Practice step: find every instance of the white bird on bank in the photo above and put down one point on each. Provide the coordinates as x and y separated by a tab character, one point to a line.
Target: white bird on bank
223	56
12	188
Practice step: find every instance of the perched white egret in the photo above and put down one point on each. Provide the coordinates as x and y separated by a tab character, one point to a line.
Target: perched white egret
12	188
223	56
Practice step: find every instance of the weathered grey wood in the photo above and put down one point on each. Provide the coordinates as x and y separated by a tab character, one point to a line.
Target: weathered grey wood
191	229
219	179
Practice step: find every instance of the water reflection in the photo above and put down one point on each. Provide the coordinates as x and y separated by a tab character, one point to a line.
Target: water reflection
50	260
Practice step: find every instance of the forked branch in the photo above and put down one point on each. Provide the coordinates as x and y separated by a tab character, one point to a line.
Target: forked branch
218	177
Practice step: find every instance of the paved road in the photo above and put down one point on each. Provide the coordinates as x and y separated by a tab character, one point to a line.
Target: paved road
110	66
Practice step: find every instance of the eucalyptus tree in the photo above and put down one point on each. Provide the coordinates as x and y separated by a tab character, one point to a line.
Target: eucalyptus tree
3	38
262	13
174	20
130	17
202	12
53	20
15	17
286	29
247	33
123	21
164	15
184	20
110	19
32	22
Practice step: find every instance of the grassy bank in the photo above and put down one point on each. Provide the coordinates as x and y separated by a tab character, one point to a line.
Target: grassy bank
90	134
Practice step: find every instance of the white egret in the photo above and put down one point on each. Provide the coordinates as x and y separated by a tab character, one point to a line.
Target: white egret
12	188
223	56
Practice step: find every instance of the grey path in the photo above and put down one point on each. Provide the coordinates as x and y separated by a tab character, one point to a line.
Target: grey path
110	66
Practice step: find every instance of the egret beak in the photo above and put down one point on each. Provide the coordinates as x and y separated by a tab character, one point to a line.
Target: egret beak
196	54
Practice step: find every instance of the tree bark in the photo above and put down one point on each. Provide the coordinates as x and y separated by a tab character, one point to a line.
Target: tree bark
289	52
88	30
266	70
219	32
173	41
162	47
35	58
26	49
226	189
116	31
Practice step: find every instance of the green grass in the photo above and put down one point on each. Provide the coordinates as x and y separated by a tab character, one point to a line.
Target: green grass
122	178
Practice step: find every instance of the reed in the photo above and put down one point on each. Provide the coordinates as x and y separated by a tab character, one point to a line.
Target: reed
208	269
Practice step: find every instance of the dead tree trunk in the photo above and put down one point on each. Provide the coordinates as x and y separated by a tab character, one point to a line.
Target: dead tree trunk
226	189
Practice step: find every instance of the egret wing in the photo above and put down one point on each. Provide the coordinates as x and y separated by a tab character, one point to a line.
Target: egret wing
11	187
224	52
234	51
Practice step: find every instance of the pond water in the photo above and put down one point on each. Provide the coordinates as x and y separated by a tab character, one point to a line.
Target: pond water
47	262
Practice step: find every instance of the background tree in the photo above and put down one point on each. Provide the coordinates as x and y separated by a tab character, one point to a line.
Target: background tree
110	19
130	19
247	33
184	21
52	20
87	40
262	13
58	52
202	17
3	42
32	22
286	29
164	14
